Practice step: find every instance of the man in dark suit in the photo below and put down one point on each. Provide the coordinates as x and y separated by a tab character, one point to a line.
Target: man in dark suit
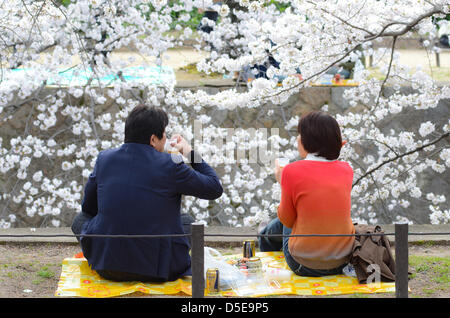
136	189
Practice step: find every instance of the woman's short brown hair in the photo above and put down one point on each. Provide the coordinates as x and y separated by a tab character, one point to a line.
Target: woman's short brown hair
320	134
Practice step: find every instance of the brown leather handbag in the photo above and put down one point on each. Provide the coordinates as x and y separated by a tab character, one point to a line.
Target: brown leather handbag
371	255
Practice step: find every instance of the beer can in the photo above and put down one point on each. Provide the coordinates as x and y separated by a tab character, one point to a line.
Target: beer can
212	280
248	248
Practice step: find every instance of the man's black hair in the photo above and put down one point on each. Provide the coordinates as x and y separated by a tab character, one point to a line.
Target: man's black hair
143	122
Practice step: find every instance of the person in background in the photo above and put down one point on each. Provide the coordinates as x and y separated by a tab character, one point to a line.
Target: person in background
443	35
136	189
315	199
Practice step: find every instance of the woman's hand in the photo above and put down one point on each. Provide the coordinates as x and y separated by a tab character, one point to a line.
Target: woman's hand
277	171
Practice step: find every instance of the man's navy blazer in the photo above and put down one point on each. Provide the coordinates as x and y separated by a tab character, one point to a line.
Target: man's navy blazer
135	189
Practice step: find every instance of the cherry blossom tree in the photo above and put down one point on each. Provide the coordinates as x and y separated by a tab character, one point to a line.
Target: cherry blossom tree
44	167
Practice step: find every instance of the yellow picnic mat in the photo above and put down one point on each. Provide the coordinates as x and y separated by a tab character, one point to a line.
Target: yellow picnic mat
77	279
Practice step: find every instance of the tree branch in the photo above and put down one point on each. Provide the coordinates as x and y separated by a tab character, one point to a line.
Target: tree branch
406	29
314	75
388	72
382	33
447	134
344	21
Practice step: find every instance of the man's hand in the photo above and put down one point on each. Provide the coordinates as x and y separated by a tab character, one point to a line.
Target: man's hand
180	144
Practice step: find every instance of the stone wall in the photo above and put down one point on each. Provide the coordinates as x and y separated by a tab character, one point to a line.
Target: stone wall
267	116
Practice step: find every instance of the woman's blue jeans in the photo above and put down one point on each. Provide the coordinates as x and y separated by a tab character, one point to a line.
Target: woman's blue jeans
269	244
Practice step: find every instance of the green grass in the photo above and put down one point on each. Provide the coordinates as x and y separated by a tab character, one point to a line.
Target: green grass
357	295
28	270
436	268
44	272
425	243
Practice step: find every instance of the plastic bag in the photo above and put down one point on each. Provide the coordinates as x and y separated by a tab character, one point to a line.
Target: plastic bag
277	274
229	275
349	270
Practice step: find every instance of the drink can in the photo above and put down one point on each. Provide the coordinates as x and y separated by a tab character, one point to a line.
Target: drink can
212	280
254	266
169	148
254	263
248	249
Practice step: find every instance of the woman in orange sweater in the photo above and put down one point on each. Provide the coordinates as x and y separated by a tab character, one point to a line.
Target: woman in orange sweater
315	199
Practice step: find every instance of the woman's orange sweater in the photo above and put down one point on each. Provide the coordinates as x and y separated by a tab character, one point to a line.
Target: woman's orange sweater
315	199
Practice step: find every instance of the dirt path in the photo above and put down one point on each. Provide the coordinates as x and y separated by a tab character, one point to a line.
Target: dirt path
33	270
